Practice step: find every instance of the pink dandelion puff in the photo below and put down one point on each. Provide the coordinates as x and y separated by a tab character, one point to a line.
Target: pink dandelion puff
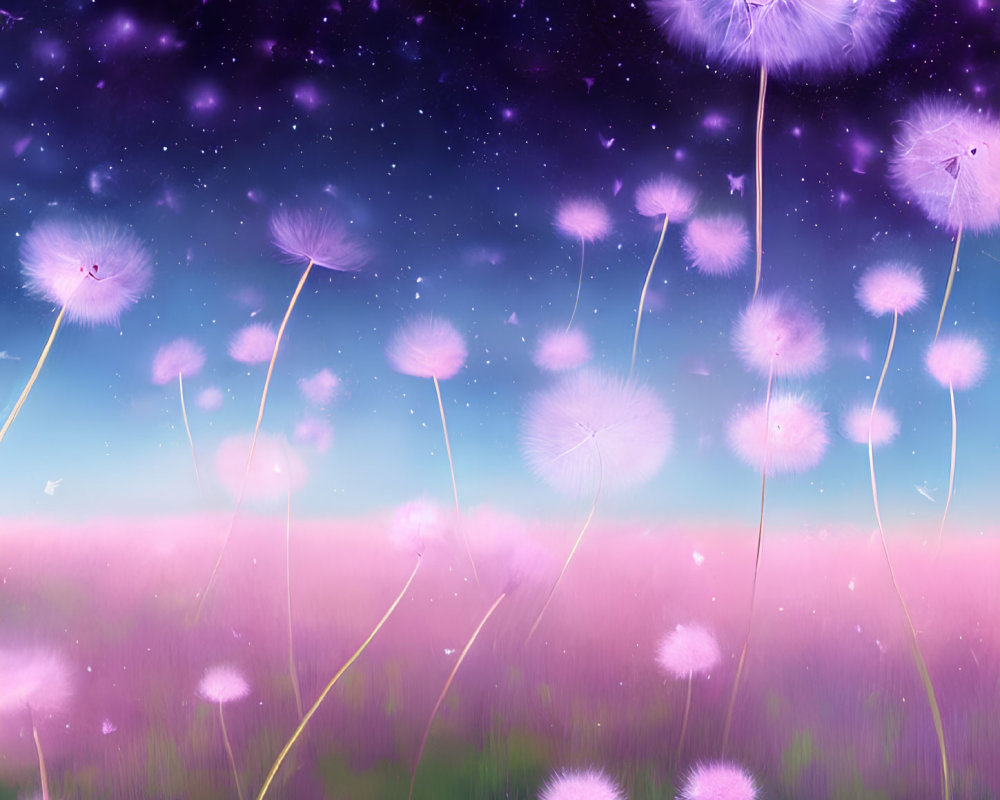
560	350
253	344
210	398
718	781
317	238
956	362
429	347
416	524
221	685
776	336
587	220
314	432
591	784
790	436
92	271
717	245
891	288
947	161
275	470
884	425
665	196
179	359
592	432
684	652
672	199
321	388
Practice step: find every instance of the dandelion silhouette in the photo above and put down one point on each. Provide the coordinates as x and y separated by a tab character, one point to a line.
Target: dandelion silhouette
591	784
37	681
718	780
947	161
319	240
180	358
665	197
956	362
429	347
593	432
786	433
559	350
92	271
587	220
684	652
333	682
447	686
790	40
898	288
717	245
220	685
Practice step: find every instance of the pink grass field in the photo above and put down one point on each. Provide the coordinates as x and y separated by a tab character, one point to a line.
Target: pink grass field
830	704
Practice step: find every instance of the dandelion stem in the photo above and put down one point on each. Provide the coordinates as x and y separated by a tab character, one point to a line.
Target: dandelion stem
684	720
288	596
187	427
914	643
579	286
447	685
43	776
253	441
229	752
756	566
576	545
759	179
454	486
951	472
645	288
315	706
34	375
951	280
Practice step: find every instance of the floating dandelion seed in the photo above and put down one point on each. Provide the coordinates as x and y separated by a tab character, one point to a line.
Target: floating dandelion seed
947	161
587	220
591	784
561	350
221	685
92	271
788	39
593	432
179	359
717	245
318	239
718	781
253	344
429	347
672	199
684	652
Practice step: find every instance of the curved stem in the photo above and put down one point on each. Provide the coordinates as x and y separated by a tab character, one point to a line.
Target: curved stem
333	681
951	472
645	288
288	597
229	752
572	552
43	776
759	179
454	486
684	720
187	427
253	441
756	567
447	685
34	375
579	285
951	280
918	656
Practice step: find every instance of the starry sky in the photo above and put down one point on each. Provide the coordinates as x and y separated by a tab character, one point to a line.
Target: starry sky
445	135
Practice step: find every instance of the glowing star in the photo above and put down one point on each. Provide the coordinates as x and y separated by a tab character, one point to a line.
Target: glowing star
736	183
51	486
